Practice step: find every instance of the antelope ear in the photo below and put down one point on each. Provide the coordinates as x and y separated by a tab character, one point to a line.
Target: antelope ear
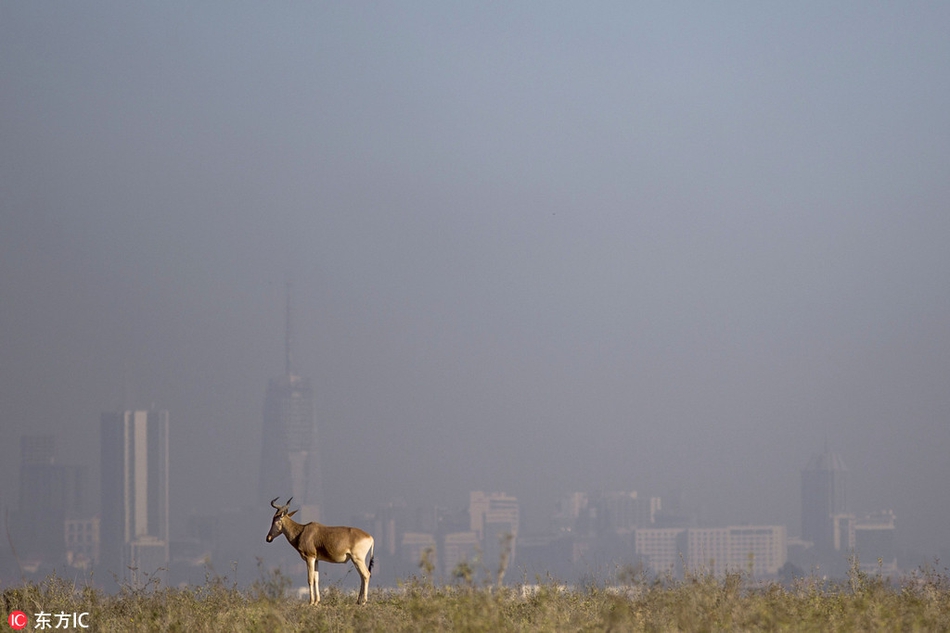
292	513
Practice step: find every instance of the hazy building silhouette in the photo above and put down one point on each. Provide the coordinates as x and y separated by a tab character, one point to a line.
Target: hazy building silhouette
842	532
824	496
617	512
82	542
759	550
290	462
50	494
459	548
570	506
417	547
37	450
133	530
663	550
390	522
875	541
495	517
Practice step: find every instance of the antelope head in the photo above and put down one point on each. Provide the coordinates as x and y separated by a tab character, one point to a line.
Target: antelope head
277	523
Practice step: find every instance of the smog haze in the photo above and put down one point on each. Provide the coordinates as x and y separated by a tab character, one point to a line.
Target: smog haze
676	248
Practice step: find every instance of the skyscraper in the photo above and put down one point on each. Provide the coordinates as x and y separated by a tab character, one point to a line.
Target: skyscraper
50	493
290	461
824	497
134	470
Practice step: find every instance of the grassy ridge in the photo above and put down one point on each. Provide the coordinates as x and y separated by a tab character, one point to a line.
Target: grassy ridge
921	602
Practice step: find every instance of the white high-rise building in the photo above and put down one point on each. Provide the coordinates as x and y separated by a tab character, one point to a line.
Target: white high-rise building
661	548
759	549
134	478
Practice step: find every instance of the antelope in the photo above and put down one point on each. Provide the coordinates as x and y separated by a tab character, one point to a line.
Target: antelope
315	542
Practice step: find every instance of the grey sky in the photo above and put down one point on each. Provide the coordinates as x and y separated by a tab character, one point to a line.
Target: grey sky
536	247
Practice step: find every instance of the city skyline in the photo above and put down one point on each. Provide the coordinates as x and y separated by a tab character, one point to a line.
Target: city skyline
131	533
591	530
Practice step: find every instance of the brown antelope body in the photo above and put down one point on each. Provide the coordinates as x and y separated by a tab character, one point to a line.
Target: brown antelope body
333	544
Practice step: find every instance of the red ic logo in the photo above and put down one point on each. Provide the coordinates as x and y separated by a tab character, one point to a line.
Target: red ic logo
17	620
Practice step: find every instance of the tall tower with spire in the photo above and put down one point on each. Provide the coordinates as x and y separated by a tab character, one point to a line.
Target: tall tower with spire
290	461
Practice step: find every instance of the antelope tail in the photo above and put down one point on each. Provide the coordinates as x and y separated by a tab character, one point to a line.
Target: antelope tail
372	557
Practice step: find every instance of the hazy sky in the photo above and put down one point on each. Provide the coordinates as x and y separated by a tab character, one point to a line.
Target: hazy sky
535	247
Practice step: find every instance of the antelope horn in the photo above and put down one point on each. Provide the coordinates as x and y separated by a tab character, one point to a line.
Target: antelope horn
274	505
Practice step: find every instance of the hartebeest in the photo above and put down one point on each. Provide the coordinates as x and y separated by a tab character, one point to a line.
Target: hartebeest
315	542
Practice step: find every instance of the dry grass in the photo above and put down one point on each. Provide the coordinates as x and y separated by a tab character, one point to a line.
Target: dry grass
920	602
